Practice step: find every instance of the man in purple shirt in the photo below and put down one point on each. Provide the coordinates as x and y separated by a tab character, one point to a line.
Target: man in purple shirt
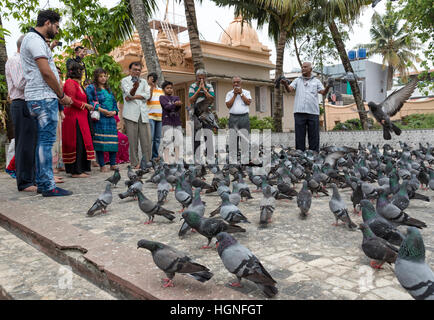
172	129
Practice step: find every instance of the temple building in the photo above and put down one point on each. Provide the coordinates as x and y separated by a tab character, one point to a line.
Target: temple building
238	52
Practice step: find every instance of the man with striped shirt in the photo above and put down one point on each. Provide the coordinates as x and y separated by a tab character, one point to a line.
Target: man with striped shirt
155	112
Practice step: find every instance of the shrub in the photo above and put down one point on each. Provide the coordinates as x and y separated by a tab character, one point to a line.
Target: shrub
255	123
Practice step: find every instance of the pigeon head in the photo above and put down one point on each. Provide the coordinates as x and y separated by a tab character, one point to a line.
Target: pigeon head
225	196
224	240
367	232
368	210
108	186
412	248
191	217
150	245
372	106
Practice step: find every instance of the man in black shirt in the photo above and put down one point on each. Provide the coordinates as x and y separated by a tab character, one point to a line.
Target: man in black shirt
80	53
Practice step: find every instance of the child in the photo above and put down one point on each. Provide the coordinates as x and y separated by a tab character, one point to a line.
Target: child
171	121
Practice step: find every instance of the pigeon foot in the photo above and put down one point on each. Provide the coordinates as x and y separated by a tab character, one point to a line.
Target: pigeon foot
148	222
206	247
168	283
236	284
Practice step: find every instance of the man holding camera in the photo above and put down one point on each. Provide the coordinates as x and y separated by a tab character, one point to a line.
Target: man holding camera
80	53
136	92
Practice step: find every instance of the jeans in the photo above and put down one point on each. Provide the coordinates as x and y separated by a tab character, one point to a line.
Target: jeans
100	157
45	112
25	143
156	127
311	122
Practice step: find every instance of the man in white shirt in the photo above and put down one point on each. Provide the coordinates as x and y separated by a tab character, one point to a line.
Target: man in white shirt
136	92
238	101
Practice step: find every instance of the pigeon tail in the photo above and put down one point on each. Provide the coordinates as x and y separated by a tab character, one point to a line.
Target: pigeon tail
415	223
168	215
269	290
419	196
202	276
386	134
233	228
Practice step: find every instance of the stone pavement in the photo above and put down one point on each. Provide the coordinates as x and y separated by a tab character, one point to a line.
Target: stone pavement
309	259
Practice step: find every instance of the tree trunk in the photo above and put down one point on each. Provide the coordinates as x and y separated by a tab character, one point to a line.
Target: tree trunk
193	34
390	72
280	50
348	68
146	39
297	54
3	96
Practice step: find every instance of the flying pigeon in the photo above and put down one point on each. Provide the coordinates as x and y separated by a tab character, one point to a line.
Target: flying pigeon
104	199
390	106
413	273
172	261
240	261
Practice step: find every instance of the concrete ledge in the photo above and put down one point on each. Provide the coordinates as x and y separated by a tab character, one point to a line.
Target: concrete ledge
124	272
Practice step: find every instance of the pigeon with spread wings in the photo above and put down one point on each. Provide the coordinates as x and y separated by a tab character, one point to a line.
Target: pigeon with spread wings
389	107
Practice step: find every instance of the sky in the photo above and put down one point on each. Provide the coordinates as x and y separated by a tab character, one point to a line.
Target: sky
208	14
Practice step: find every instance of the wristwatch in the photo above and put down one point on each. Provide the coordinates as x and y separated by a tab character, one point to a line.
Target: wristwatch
242	95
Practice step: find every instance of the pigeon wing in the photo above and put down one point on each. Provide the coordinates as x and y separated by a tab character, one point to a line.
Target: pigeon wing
395	101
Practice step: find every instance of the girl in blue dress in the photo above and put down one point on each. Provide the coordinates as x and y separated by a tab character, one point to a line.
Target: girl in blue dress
106	135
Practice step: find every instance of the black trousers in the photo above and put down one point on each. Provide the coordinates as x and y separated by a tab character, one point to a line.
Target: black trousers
240	125
81	164
26	135
310	122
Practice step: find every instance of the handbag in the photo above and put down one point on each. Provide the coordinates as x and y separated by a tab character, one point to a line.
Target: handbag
95	115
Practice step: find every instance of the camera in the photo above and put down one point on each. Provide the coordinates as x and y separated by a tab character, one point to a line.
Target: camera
134	79
59	44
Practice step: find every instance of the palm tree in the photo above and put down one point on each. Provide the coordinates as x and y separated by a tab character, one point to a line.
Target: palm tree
396	44
193	34
140	16
281	17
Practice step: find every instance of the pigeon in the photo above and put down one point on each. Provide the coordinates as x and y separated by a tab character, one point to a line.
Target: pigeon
172	261
132	176
377	248
104	199
411	270
115	178
243	188
339	209
234	198
196	206
230	212
209	227
304	200
390	106
401	199
240	261
138	185
431	179
151	209
267	206
183	197
395	215
163	189
381	227
357	196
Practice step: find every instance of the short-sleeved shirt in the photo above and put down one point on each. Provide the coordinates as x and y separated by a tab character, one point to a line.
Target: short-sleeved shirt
34	47
306	95
194	87
135	108
239	107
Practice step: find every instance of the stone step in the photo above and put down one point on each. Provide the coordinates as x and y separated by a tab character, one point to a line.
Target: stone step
28	274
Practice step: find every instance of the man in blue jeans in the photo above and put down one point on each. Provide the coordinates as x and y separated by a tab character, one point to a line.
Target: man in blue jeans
43	93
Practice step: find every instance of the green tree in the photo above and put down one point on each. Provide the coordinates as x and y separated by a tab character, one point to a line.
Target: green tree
396	44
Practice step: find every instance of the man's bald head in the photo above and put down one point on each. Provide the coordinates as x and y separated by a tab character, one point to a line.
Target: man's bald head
306	69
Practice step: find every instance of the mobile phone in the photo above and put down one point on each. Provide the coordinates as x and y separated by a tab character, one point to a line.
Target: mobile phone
59	44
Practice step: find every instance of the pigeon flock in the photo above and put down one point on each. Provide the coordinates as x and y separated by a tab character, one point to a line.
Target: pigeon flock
383	181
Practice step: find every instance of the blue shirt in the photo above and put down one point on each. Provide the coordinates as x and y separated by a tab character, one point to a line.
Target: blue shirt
306	94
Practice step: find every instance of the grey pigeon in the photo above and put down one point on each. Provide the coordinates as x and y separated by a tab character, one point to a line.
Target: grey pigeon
230	212
390	106
267	206
172	261
413	273
339	209
196	206
208	227
381	227
151	209
304	200
183	197
395	215
401	199
138	185
377	248
240	261
115	178
104	199
243	188
431	179
234	198
163	189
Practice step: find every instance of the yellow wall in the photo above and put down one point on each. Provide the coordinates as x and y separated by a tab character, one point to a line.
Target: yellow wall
344	113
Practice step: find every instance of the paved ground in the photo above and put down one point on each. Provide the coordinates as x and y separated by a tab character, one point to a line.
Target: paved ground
310	259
